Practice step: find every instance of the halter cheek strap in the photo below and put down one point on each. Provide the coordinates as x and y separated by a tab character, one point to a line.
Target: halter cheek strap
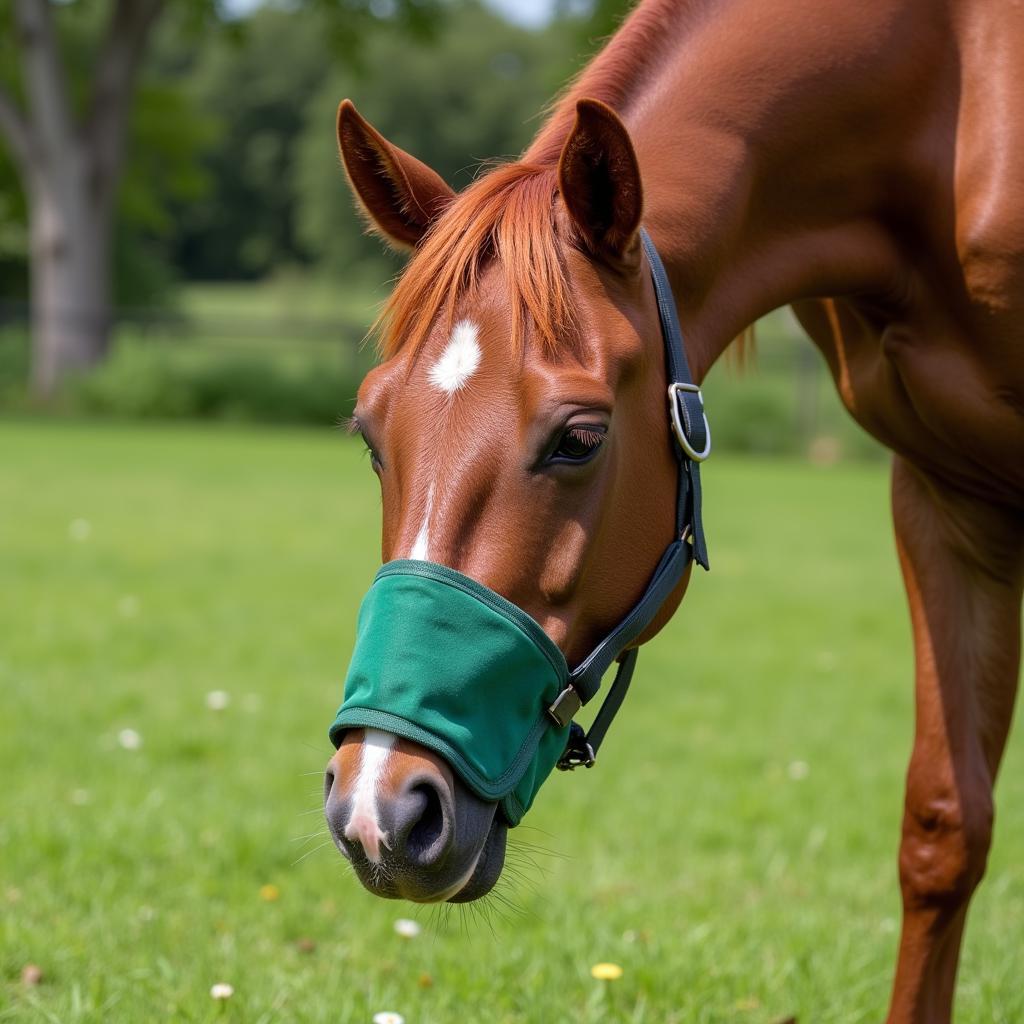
691	443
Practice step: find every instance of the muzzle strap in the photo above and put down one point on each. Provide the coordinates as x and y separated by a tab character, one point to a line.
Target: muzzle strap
586	677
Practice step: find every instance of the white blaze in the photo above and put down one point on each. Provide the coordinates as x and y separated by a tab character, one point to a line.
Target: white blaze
421	545
363	826
459	361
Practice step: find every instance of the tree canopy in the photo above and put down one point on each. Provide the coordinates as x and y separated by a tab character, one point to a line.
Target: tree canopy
231	169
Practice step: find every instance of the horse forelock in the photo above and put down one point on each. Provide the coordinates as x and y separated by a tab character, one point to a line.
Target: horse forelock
507	218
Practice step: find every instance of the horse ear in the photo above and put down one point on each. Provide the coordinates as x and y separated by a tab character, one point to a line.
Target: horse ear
400	195
599	179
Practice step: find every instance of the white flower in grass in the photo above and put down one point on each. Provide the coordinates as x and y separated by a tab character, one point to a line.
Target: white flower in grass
798	770
406	928
222	990
79	529
388	1017
218	700
129	739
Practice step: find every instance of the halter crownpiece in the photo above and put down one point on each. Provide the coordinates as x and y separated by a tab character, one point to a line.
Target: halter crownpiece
444	661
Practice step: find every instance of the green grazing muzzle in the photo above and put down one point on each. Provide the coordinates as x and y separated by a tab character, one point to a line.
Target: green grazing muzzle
442	660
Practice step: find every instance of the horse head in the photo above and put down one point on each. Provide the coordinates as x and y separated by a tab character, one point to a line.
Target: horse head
517	426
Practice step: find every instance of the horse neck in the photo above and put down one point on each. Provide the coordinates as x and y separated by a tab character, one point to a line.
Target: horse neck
773	140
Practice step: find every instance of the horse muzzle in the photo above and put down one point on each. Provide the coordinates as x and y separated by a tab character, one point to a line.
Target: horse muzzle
409	828
446	663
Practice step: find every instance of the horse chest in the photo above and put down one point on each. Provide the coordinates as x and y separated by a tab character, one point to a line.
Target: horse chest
951	401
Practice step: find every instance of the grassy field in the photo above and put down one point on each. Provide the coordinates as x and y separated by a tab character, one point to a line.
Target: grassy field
734	851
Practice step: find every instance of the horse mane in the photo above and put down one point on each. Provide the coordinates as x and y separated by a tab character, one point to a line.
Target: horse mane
506	216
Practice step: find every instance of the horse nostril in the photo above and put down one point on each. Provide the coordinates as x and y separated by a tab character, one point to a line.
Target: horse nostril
423	831
426	832
336	810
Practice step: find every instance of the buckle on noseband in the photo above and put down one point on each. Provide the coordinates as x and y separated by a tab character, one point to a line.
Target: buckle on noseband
678	427
578	752
565	706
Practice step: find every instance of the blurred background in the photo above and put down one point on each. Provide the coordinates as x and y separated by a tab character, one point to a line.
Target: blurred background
185	536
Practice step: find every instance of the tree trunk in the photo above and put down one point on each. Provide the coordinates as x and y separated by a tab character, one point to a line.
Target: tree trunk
70	169
70	232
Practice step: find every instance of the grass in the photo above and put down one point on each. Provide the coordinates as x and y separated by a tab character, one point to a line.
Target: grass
734	850
296	296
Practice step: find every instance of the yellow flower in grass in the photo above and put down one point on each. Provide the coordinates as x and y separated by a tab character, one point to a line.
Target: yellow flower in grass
606	972
269	893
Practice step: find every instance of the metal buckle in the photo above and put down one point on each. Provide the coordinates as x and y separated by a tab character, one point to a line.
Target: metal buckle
565	706
677	423
578	752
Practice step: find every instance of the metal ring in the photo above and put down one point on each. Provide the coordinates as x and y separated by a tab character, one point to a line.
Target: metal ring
677	423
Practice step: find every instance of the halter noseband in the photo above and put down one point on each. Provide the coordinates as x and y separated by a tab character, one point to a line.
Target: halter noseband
444	661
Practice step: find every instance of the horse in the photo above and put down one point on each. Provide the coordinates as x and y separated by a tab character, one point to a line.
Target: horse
861	163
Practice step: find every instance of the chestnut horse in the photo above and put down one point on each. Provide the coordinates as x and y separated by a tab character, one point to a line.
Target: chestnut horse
863	162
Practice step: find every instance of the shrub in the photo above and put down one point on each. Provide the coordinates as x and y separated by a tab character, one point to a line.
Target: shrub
150	382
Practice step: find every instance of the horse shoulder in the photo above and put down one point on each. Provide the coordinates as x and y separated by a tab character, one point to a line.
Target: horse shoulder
914	379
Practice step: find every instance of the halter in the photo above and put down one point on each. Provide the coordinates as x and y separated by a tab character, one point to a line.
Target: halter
692	445
447	662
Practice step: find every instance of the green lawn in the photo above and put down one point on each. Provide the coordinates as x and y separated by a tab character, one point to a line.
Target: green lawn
734	850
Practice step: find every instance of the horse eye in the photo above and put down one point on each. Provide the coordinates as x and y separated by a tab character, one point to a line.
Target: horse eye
353	426
579	443
371	454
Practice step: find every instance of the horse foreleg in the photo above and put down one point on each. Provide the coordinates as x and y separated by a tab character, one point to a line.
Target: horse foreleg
963	565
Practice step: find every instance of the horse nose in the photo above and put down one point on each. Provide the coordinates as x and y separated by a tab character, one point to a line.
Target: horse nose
415	823
421	820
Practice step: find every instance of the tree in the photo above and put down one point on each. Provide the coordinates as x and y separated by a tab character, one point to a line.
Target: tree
256	93
70	167
65	127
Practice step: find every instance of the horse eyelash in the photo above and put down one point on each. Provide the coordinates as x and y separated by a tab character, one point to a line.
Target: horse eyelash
352	427
589	436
